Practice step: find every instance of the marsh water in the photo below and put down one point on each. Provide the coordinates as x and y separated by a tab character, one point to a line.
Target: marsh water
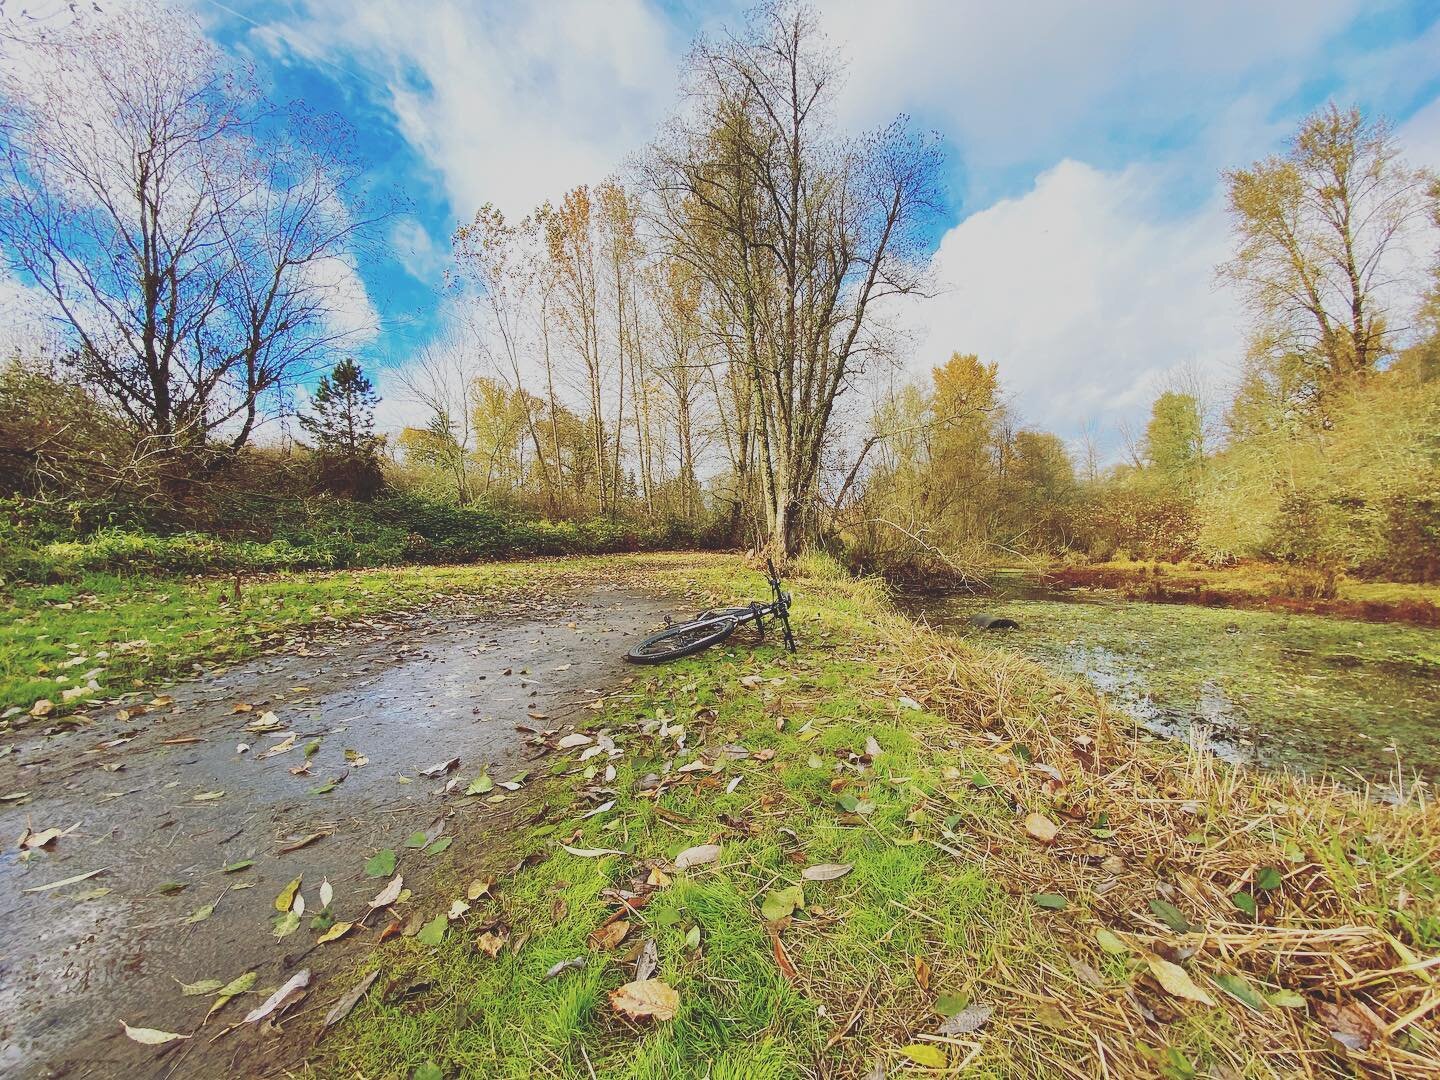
1352	699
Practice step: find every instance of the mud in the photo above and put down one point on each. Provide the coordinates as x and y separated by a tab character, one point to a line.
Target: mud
404	694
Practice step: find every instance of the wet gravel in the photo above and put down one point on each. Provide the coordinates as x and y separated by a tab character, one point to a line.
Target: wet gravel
402	694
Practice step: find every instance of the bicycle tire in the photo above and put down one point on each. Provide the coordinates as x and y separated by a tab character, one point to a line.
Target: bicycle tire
683	640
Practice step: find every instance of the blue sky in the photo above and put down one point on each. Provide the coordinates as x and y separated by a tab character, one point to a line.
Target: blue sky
1084	140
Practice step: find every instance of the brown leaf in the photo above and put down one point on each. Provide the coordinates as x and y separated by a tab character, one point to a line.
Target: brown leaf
777	947
1041	828
646	999
350	1000
304	841
490	942
610	935
922	973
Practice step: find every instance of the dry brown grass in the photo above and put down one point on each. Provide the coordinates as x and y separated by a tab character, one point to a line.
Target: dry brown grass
1359	877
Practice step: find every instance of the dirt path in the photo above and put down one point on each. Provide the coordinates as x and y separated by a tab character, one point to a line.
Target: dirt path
79	959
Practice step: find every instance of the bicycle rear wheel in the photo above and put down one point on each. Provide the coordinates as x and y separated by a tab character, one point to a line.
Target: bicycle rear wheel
682	640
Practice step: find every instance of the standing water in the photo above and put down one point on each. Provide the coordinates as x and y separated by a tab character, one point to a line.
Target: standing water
1352	699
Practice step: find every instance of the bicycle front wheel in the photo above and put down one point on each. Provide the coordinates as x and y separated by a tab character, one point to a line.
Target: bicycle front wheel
682	640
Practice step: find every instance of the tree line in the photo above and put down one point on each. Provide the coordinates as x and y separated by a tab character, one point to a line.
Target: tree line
686	340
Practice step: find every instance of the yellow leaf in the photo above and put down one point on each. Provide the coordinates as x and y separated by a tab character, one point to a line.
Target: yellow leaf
339	930
932	1057
646	999
286	899
1176	980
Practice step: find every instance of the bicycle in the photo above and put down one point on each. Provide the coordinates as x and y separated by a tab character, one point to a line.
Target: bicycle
713	626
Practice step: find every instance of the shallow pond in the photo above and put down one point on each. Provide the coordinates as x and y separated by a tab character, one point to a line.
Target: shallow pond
1317	694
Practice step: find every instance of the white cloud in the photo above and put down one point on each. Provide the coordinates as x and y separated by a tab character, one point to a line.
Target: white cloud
1015	83
421	257
1419	137
349	313
510	103
1086	295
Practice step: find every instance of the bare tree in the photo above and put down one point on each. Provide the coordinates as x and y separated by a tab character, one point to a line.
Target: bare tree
441	377
192	256
802	230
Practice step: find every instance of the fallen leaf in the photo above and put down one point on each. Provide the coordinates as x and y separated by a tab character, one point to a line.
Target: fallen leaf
478	888
1109	943
969	1019
389	894
566	965
932	1057
151	1036
381	864
235	867
208	796
697	856
590	853
481	785
65	881
200	914
335	933
204	986
1176	980
1041	828
286	924
490	943
651	999
1241	990
233	988
282	997
342	1008
433	932
1051	901
1285	999
304	841
647	961
327	893
826	871
609	935
439	845
908	703
922	973
436	771
286	900
781	903
1171	916
782	958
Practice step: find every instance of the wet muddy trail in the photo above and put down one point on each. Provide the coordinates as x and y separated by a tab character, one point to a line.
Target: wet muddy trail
373	706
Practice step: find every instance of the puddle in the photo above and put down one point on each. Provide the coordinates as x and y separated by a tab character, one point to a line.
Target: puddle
1306	692
405	695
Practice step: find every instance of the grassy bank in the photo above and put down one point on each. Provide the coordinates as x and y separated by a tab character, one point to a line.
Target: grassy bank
1260	586
1182	919
123	633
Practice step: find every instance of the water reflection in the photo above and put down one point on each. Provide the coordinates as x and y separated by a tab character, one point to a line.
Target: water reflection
1317	694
